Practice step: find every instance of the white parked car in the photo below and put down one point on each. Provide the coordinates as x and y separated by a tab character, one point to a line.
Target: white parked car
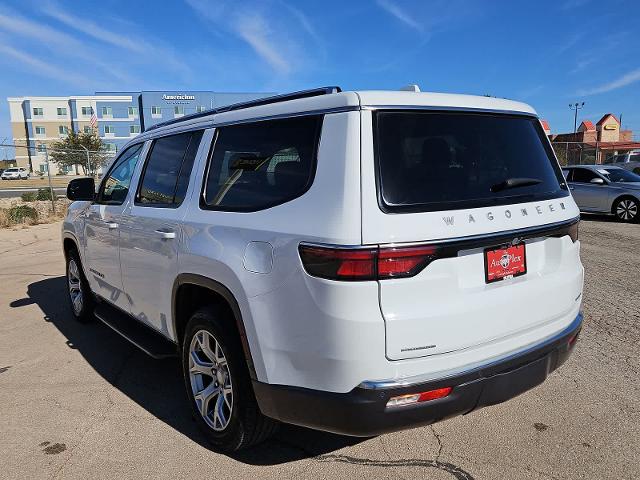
15	173
354	262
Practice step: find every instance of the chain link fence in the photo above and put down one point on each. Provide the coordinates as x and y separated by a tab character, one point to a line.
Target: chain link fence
579	153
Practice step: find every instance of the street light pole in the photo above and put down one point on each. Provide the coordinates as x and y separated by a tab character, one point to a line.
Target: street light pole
575	107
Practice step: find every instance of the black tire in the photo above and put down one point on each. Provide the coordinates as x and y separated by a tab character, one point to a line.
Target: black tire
85	313
627	209
246	425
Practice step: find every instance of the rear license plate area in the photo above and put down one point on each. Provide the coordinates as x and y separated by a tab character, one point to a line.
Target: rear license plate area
504	262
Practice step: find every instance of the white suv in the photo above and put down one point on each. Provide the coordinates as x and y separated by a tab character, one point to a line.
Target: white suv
355	262
15	173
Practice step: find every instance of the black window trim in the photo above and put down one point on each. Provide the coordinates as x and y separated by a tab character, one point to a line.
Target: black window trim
205	178
464	204
98	200
136	198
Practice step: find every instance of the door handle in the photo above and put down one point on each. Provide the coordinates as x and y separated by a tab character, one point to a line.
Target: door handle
112	225
166	234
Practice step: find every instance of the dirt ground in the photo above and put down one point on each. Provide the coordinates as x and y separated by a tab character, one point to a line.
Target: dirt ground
78	401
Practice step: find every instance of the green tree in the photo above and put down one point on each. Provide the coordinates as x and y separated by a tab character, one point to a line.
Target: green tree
68	152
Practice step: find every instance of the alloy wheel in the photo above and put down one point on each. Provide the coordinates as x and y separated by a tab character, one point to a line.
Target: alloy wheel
210	380
75	287
627	210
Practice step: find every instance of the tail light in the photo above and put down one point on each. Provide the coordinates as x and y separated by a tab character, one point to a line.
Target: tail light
367	263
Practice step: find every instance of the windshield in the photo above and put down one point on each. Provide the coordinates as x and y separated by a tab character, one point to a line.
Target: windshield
619	175
431	161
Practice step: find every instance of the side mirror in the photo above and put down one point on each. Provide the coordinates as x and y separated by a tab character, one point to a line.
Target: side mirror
81	189
597	181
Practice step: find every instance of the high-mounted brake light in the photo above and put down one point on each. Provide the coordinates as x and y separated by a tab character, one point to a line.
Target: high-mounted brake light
412	398
367	263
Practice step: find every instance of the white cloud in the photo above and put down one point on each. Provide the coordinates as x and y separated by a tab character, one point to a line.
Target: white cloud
399	13
254	29
623	81
144	50
255	32
57	41
94	30
42	67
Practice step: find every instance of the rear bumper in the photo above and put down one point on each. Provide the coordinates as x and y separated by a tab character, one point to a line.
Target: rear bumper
363	411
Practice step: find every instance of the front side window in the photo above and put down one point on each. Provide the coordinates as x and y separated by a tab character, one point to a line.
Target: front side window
583	175
115	186
38	112
166	174
260	165
430	161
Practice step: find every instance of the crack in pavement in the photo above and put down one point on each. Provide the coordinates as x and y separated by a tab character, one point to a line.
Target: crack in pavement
457	472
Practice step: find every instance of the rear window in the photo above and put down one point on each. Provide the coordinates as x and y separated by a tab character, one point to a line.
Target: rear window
430	161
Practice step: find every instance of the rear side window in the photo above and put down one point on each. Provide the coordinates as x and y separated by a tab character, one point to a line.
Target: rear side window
430	161
166	175
260	165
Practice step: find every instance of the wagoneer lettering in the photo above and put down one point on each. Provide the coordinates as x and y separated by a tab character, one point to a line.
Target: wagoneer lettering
314	257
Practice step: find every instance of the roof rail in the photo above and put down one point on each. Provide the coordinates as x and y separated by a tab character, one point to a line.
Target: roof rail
252	103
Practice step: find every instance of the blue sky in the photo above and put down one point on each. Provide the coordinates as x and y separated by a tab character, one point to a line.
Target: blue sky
546	53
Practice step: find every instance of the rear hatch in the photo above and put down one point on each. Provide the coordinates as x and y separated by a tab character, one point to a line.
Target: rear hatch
485	191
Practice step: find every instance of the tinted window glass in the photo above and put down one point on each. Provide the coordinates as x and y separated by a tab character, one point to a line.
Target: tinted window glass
620	175
583	175
166	174
115	186
439	161
263	164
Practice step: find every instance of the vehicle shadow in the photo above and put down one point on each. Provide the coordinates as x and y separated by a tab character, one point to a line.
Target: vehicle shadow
161	390
596	217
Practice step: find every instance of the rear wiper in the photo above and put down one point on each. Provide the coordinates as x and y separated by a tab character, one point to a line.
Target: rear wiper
515	182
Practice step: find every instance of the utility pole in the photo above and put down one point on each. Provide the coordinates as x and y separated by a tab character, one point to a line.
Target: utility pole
575	107
53	198
88	160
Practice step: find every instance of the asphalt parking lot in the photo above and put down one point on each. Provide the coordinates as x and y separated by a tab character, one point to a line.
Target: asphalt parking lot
78	401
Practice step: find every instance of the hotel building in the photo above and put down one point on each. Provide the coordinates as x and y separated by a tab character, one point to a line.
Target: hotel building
36	122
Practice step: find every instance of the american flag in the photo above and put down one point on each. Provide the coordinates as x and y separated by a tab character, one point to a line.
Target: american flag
94	120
